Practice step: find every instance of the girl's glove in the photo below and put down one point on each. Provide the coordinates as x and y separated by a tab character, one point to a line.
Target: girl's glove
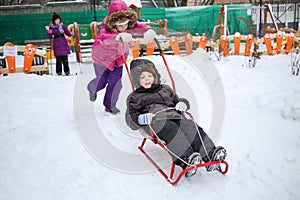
181	106
49	31
145	119
126	37
149	35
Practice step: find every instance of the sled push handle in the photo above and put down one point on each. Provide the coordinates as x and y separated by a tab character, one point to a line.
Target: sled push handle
120	45
161	53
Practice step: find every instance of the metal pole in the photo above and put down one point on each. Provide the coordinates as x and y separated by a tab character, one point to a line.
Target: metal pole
225	19
94	7
260	12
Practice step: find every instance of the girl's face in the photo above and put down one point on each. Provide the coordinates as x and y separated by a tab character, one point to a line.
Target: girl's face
57	21
146	80
122	28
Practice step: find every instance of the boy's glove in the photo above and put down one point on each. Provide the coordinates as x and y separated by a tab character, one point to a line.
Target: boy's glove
49	31
145	119
149	35
72	33
181	106
126	37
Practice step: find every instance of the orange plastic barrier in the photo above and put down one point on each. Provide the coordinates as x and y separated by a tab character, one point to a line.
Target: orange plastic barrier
224	45
237	42
175	45
29	52
94	30
150	48
267	40
136	49
188	44
249	41
203	41
289	44
279	36
10	55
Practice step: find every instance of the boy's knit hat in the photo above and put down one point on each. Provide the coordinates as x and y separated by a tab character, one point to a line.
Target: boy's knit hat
138	66
55	16
118	12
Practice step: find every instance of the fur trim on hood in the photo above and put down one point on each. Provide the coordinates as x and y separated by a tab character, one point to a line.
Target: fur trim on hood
118	12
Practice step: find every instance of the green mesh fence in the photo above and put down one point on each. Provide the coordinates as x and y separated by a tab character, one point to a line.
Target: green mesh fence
203	19
200	19
18	28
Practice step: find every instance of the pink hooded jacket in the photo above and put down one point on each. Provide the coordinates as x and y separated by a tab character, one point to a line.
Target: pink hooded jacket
105	51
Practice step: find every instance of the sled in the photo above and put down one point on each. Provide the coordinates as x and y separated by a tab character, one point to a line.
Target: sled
171	177
29	52
10	53
237	42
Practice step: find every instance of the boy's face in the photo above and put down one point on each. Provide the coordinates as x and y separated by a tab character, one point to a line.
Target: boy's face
146	80
122	28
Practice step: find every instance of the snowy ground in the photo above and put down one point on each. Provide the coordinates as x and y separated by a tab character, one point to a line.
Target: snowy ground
43	154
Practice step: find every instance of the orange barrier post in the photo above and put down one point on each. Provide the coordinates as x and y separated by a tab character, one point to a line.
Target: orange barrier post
93	26
136	49
237	42
150	48
224	45
174	45
77	43
279	36
289	44
249	41
29	52
203	41
188	44
267	40
10	53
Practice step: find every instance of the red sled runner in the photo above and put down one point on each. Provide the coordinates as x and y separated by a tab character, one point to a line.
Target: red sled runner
220	165
170	178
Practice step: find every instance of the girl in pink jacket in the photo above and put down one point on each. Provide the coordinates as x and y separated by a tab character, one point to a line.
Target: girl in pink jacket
120	23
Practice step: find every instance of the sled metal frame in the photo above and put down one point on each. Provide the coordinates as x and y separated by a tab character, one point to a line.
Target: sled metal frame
170	178
175	179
